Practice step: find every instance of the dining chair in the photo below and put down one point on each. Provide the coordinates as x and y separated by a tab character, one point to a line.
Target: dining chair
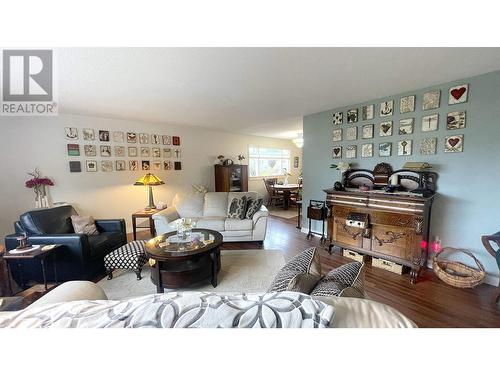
274	198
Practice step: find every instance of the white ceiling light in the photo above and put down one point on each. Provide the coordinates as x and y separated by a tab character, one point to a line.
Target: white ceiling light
299	141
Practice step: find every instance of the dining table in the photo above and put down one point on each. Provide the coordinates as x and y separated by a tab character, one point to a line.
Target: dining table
287	190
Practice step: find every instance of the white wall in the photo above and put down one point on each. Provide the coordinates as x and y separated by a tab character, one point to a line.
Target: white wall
29	142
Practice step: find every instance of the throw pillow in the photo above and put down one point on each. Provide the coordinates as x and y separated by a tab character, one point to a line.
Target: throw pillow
237	208
300	274
345	281
84	225
253	206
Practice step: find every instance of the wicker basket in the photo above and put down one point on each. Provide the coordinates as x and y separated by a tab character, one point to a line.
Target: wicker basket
458	274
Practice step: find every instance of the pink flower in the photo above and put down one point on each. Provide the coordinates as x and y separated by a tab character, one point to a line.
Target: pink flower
35	182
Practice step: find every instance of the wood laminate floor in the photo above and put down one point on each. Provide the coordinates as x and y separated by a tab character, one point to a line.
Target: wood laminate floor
429	303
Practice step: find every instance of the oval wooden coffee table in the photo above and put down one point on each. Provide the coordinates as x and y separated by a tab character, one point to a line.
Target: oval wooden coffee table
179	264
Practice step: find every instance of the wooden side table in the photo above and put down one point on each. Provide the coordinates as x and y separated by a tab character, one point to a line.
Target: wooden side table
4	275
143	214
40	254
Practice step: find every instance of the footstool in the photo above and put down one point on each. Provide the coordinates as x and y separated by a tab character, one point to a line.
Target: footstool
128	257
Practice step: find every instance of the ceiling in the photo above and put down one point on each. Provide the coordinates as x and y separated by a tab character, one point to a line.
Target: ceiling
259	91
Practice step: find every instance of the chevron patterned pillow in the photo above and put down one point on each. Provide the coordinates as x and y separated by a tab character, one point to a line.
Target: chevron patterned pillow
347	280
300	274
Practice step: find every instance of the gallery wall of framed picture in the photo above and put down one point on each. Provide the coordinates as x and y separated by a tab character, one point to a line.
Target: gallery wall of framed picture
97	150
403	126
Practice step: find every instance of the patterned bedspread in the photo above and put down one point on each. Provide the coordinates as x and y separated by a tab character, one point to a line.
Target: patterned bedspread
181	310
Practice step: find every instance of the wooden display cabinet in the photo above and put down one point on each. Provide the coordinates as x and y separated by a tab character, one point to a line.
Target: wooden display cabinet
397	226
231	177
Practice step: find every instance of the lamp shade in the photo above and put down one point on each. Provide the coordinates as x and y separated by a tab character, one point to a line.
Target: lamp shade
149	180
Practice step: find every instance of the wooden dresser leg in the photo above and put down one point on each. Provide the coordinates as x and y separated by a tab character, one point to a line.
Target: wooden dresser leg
414	275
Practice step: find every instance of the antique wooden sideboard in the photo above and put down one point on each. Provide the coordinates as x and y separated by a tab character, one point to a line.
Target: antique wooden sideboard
391	226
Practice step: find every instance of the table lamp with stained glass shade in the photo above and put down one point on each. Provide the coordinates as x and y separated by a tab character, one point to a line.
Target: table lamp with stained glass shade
149	180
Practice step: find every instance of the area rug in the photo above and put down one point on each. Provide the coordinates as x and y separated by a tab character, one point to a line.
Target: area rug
284	214
249	271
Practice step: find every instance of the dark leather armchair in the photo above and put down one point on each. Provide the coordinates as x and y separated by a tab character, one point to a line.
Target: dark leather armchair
81	257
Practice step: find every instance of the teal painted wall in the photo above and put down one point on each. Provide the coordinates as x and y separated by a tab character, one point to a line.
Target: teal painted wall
468	204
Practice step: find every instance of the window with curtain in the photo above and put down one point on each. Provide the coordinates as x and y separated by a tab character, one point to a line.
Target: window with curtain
265	161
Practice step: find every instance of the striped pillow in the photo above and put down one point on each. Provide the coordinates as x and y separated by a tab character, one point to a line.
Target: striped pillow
347	280
300	274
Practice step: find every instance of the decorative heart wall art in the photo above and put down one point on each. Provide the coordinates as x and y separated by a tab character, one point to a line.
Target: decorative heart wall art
385	129
454	143
458	94
337	152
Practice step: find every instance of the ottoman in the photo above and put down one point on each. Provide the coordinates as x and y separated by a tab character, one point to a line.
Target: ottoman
128	257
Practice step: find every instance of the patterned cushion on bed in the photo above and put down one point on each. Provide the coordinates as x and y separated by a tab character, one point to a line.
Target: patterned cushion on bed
253	206
237	208
345	281
300	274
181	310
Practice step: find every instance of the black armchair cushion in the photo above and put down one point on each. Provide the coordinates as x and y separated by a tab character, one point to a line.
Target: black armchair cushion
56	220
104	243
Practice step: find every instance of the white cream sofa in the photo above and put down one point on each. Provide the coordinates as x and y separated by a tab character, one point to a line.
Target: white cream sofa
210	211
349	312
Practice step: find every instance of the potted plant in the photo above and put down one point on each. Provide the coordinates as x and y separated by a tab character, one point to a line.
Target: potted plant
343	167
286	174
40	187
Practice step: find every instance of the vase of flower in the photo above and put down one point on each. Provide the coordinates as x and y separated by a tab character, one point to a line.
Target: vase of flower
286	174
40	187
342	167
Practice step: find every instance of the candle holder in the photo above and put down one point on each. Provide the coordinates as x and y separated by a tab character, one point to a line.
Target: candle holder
23	242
